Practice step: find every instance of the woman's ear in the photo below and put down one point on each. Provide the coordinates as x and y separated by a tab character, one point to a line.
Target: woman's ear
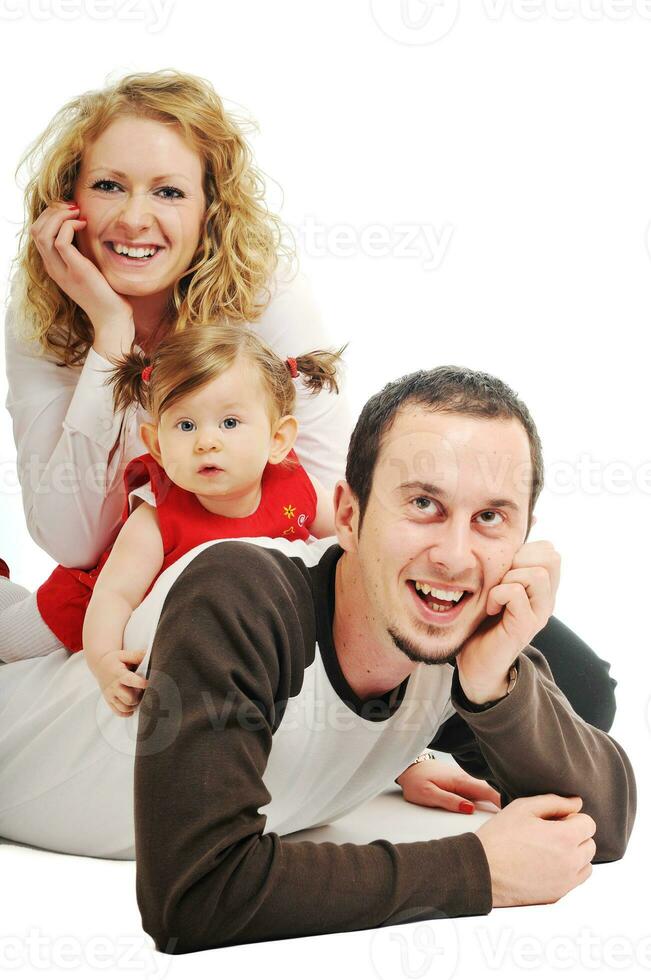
149	435
283	437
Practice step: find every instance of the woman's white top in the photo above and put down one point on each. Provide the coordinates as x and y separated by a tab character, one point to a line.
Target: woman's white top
72	448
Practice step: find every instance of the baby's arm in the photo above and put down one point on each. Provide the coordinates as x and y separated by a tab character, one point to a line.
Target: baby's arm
135	560
324	523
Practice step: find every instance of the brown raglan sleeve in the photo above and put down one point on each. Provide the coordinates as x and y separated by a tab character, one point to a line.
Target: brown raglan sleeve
532	741
230	649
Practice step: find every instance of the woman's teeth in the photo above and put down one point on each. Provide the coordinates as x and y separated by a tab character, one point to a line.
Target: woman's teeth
134	253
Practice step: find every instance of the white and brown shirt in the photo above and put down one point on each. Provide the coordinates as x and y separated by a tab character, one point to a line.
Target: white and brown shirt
248	730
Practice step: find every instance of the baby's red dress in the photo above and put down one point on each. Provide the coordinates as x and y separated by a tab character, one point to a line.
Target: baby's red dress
287	509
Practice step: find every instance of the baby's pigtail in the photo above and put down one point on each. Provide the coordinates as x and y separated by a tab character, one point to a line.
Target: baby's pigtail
127	379
319	369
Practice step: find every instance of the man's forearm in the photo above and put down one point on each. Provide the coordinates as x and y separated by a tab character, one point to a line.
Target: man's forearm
485	699
535	743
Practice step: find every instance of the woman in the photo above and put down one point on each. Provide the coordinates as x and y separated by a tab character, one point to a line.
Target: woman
152	164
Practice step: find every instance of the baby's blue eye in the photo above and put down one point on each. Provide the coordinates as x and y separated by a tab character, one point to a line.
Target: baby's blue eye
227	423
185	425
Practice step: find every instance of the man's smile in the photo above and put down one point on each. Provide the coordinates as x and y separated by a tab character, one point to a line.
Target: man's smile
437	604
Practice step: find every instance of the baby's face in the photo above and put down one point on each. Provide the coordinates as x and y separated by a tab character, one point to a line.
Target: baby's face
216	441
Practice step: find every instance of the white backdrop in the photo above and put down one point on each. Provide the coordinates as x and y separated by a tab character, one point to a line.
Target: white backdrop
467	183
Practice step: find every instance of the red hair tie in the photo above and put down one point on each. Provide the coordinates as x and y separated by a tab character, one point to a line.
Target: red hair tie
291	364
146	373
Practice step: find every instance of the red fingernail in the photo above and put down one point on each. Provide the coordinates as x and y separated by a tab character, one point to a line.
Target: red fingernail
466	807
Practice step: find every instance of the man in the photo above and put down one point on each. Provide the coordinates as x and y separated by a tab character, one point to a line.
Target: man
289	683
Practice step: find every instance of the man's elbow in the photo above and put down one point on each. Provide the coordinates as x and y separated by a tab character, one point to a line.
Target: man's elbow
613	833
610	850
186	928
612	846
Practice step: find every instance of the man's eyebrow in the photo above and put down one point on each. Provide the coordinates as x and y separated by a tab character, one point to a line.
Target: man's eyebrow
425	487
434	491
123	176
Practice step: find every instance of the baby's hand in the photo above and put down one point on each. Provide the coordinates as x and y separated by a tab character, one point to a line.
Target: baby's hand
437	784
121	687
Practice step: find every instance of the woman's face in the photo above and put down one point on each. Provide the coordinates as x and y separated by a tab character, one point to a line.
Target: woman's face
140	185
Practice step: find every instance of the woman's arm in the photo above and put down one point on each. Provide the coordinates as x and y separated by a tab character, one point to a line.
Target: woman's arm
68	454
135	560
291	325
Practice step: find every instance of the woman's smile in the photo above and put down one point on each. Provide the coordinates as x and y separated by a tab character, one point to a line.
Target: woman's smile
132	255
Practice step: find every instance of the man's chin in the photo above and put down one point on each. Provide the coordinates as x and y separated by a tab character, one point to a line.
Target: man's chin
420	654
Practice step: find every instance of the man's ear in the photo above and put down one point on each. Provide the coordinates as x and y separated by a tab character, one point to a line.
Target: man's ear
533	521
149	435
346	516
283	437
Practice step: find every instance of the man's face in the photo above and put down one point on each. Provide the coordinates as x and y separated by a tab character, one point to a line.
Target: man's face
448	509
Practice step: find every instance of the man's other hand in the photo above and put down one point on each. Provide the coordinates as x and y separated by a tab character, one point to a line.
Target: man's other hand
538	849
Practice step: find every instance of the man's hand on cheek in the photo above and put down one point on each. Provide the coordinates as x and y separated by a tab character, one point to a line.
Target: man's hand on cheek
517	608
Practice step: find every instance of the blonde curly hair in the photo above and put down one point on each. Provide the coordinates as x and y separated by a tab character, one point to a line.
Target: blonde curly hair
241	240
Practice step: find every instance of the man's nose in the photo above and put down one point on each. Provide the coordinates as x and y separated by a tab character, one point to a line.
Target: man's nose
452	545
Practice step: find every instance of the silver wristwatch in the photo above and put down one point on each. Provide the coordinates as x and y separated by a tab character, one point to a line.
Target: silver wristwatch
513	676
423	756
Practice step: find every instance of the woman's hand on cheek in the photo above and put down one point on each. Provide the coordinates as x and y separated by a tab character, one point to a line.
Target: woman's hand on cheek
110	314
438	784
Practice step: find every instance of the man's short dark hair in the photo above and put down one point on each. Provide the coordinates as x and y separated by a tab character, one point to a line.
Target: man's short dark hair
449	389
